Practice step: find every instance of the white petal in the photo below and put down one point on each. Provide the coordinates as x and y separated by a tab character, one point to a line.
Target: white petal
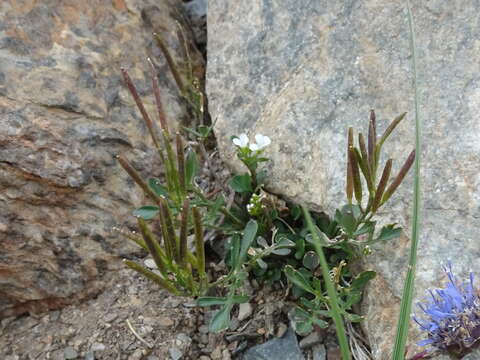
262	141
236	141
243	140
254	147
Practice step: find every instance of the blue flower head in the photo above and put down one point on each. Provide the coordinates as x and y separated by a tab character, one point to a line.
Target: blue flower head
451	316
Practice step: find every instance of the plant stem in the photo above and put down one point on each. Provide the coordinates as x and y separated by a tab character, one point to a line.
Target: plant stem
222	209
406	306
332	293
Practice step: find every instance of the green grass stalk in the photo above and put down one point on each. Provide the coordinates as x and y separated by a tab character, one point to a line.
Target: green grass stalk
332	293
406	305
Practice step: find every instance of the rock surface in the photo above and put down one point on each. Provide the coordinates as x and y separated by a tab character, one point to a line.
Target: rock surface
65	114
284	348
301	73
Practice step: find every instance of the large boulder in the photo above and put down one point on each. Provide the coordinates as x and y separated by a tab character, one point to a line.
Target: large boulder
301	72
65	114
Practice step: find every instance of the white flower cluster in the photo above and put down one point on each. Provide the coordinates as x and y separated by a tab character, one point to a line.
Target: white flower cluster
261	142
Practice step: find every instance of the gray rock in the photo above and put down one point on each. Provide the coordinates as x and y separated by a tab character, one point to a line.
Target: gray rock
70	353
64	114
89	355
302	74
175	353
97	347
312	339
284	348
319	352
244	311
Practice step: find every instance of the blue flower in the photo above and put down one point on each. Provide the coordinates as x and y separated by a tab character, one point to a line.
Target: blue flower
451	316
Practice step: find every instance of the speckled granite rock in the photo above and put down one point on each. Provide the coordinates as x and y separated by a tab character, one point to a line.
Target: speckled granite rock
301	72
64	114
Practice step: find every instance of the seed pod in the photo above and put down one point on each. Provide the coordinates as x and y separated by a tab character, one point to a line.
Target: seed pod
357	182
140	106
167	285
372	140
391	127
181	164
171	64
363	162
349	188
158	100
401	175
199	243
382	185
153	246
169	231
136	177
184	233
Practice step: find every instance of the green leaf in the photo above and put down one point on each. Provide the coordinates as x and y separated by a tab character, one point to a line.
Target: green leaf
262	264
281	251
234	251
146	212
248	236
296	212
157	187
300	248
301	321
239	299
191	167
389	232
298	279
221	320
211	300
311	260
361	280
241	183
367	227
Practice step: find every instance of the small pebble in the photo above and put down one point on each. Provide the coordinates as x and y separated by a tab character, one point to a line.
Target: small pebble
226	355
89	355
244	311
175	353
70	353
203	329
137	355
150	263
165	322
97	347
110	317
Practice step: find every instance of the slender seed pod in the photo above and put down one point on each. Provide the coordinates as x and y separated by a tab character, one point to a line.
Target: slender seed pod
382	185
153	246
181	165
136	177
138	101
401	175
391	127
349	187
171	64
199	243
167	241
156	91
184	233
363	162
357	182
167	285
372	141
170	230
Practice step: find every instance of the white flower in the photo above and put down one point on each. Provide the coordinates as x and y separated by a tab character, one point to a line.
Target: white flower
262	141
241	141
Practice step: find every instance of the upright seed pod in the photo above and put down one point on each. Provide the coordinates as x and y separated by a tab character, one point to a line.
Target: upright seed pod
156	91
170	230
199	243
184	233
349	188
181	165
153	246
382	185
140	106
357	182
171	64
372	142
401	175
